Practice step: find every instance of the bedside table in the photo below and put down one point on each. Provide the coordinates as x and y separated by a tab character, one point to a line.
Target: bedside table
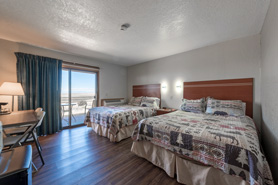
164	111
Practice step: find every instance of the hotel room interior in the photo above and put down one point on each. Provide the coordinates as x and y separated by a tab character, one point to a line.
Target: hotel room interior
139	92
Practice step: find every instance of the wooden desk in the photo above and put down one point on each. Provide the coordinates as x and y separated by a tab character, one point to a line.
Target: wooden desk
19	118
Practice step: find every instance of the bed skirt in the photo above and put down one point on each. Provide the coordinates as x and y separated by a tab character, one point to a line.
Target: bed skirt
188	171
123	133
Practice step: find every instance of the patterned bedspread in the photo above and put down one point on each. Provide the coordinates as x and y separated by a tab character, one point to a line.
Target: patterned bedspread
116	117
228	143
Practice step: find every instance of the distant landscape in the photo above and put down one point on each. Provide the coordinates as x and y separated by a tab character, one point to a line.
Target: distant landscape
77	97
79	112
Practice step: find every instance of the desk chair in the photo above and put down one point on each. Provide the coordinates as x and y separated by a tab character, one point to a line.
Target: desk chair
17	140
63	111
83	103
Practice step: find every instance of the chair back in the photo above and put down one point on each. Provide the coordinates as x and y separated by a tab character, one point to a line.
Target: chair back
82	103
40	116
38	109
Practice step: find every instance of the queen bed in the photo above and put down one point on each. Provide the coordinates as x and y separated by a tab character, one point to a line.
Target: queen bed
204	148
118	122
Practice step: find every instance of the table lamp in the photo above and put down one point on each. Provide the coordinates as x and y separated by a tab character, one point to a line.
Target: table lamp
11	89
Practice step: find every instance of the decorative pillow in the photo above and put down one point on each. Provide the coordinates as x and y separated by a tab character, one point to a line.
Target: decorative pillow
137	101
150	102
197	106
225	107
131	100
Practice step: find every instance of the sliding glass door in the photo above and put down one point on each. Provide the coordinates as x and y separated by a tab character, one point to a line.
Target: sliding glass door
79	94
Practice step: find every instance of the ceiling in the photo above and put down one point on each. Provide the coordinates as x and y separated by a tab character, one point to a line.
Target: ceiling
159	28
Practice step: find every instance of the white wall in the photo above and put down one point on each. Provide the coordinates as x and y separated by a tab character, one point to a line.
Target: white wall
269	87
238	58
8	67
113	78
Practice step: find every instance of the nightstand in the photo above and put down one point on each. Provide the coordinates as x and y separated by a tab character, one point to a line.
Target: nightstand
164	111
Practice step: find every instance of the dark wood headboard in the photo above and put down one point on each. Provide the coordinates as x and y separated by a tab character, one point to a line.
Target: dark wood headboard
151	90
234	89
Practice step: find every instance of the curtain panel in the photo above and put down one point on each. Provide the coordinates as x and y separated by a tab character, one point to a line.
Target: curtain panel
41	79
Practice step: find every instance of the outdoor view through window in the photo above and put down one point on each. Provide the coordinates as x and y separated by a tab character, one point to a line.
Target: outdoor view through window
81	87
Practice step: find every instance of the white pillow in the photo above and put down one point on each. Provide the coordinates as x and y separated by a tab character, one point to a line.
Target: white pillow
150	102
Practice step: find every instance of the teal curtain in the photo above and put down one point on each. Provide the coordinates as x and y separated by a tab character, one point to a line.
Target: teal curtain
41	80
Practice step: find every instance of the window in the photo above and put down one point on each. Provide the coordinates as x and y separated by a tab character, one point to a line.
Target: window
79	93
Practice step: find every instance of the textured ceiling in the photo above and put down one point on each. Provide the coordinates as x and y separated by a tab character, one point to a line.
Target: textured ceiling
159	28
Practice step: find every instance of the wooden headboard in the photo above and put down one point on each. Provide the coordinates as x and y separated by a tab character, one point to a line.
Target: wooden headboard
234	89
151	90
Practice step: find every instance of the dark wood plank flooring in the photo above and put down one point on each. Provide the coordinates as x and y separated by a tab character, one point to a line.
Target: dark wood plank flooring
79	156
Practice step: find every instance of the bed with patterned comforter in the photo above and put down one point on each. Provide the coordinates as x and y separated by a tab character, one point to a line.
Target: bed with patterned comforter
227	143
115	118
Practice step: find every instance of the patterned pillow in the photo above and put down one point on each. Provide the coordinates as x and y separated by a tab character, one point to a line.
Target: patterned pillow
150	102
197	106
225	107
137	101
131	100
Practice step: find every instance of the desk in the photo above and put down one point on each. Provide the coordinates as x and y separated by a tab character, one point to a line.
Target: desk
26	118
19	118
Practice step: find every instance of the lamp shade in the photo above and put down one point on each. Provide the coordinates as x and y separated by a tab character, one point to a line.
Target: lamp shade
11	88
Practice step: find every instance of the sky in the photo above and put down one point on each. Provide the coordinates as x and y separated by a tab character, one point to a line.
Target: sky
81	82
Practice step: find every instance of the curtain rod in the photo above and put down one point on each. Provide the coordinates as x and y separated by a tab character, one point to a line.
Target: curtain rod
82	65
64	62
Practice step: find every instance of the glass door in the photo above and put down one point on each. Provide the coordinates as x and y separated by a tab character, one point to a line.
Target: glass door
78	96
65	97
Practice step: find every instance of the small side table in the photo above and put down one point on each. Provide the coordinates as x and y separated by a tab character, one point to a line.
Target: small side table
164	111
16	166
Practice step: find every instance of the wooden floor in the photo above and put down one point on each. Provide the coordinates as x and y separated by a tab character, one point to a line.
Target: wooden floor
79	156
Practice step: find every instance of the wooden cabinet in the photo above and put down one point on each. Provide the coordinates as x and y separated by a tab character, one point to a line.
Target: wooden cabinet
164	111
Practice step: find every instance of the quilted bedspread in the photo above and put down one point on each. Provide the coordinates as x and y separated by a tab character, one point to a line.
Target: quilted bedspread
228	143
116	117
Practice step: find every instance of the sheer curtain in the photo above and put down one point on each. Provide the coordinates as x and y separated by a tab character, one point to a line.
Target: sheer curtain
41	80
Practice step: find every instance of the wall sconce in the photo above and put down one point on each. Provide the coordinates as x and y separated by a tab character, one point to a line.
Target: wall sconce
164	87
178	86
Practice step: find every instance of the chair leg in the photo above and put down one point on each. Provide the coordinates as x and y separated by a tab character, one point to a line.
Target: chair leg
34	168
39	144
73	116
36	142
5	134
